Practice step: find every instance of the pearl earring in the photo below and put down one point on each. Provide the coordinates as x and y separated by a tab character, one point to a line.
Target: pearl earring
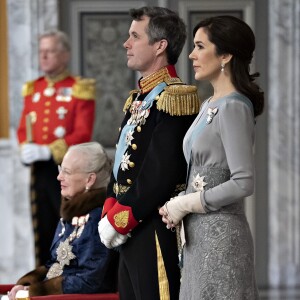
222	67
87	188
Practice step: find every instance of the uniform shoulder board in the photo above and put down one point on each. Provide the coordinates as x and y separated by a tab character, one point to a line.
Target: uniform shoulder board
84	88
179	99
28	88
129	100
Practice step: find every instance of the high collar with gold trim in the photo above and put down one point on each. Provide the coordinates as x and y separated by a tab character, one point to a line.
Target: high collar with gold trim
52	80
146	84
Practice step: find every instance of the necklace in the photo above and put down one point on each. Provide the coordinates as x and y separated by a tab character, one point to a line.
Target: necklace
64	250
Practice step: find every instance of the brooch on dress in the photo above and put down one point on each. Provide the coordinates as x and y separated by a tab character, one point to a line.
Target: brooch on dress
198	183
211	112
64	250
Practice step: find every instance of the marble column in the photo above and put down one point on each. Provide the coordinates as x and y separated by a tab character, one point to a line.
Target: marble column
26	21
284	143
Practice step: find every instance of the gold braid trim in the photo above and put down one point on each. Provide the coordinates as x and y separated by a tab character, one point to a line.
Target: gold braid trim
28	88
129	100
84	88
163	283
58	149
179	100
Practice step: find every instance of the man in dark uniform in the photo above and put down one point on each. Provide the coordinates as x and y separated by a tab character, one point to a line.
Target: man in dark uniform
149	164
58	112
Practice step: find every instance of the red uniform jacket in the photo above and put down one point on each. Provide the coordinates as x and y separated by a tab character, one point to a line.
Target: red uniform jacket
61	112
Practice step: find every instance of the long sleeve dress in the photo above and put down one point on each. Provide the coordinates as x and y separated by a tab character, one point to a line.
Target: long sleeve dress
218	257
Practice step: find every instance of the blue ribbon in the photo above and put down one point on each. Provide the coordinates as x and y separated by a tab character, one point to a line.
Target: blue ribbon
122	146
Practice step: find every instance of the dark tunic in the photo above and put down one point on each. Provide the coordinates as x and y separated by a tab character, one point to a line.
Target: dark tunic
151	171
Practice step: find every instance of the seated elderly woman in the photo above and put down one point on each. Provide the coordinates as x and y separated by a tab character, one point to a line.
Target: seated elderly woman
79	262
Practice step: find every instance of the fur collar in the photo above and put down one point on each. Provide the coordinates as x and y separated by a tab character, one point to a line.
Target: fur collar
82	204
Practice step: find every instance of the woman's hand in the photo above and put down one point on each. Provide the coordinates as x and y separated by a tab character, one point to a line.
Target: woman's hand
12	294
177	208
165	216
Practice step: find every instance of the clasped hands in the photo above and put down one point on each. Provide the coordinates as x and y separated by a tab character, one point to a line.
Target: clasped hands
178	207
109	236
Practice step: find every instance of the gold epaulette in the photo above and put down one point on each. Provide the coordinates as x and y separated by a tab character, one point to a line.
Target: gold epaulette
58	149
84	88
129	100
179	100
28	88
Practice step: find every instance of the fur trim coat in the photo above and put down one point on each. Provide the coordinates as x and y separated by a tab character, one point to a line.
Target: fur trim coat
94	268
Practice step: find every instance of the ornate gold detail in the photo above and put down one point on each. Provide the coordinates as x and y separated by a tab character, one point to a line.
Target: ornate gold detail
129	99
179	100
163	282
120	189
152	80
52	80
58	149
28	88
84	88
121	219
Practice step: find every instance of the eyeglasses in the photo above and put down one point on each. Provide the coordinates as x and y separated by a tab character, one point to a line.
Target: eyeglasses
66	172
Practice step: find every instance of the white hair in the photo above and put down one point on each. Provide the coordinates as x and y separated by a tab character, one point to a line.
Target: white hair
61	37
95	161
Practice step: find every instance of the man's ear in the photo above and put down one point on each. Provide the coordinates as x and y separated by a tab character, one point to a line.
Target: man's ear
162	46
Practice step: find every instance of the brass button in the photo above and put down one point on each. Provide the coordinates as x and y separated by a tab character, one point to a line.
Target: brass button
139	129
45	136
129	181
131	164
46	120
47	103
45	128
47	111
134	146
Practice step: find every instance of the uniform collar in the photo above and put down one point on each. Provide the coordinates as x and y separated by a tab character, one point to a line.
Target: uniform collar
59	77
146	84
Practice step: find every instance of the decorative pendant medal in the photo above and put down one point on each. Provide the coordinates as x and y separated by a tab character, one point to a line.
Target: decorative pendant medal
64	256
64	253
49	91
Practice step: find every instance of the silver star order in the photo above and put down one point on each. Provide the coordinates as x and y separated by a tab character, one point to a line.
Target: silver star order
125	161
64	253
198	183
211	112
129	137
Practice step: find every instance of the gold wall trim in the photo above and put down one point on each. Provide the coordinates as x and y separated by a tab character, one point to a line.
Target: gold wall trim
4	103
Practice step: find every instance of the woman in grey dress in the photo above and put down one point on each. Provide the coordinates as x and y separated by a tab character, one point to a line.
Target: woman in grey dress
218	258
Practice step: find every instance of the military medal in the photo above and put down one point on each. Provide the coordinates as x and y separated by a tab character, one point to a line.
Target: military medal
64	250
36	97
49	91
61	111
59	132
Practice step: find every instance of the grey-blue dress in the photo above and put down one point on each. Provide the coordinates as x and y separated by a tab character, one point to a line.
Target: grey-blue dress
218	258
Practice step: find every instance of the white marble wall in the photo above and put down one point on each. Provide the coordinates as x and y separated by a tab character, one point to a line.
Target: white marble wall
26	21
284	143
16	256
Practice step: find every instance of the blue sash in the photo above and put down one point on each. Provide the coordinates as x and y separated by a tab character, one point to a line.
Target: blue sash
122	146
